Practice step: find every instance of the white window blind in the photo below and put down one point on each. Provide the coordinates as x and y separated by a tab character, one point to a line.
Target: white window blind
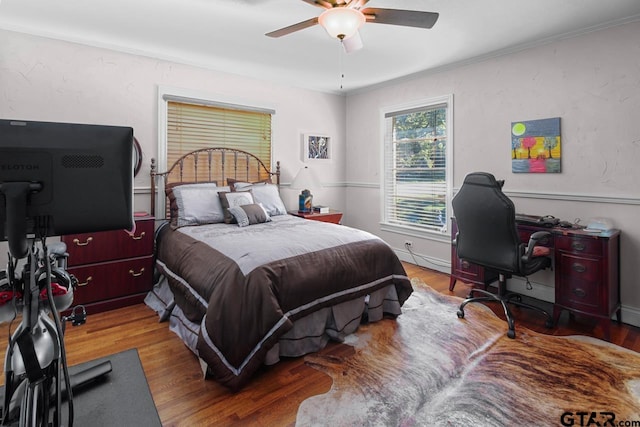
192	126
416	184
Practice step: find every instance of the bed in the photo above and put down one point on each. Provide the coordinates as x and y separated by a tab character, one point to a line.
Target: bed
243	283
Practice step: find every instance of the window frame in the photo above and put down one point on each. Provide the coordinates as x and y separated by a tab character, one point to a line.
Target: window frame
385	224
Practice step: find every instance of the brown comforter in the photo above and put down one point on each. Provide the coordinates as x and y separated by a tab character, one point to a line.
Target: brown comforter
244	306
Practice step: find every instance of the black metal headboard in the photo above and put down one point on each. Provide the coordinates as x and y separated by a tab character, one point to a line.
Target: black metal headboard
214	164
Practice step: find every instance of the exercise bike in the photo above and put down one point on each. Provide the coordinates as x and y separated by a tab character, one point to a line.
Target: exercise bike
48	170
37	380
36	375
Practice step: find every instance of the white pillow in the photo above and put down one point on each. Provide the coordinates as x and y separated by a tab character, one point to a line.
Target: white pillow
266	194
198	204
230	200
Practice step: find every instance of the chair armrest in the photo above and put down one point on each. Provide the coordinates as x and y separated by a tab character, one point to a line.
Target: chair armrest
533	241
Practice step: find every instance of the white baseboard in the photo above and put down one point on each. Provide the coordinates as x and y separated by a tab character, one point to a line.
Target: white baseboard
541	291
630	315
443	266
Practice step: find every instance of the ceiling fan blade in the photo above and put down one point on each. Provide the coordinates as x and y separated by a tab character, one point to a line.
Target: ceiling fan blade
320	3
292	28
357	4
407	18
353	43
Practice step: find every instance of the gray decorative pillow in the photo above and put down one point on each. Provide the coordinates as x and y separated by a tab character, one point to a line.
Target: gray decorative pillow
249	214
198	204
231	200
266	194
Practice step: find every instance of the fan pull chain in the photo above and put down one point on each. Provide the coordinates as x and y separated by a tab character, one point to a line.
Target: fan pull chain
341	64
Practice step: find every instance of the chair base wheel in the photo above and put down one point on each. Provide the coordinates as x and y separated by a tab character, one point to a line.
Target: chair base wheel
460	314
511	333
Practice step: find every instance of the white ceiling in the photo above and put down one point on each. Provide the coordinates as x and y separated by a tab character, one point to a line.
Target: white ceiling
229	35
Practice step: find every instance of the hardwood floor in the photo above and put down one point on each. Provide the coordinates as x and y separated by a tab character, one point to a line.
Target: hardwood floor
183	398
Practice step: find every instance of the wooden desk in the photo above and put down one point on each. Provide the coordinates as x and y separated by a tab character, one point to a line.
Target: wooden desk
587	271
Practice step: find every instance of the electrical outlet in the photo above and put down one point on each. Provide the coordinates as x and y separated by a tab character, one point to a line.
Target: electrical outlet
408	244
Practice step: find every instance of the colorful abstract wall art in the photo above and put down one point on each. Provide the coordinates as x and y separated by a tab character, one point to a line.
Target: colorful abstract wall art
535	146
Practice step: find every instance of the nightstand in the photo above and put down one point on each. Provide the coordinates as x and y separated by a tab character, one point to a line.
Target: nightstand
114	268
333	216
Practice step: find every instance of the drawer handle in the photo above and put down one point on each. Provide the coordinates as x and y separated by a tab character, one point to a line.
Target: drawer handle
464	264
578	246
580	268
89	279
137	237
85	243
138	274
579	292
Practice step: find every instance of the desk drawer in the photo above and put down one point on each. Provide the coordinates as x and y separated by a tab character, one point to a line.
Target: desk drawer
583	297
582	287
580	269
579	245
108	280
467	271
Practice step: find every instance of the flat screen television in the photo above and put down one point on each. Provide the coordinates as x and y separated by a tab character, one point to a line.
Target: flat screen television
78	178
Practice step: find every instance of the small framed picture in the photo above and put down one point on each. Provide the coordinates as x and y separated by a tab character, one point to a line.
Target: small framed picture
316	147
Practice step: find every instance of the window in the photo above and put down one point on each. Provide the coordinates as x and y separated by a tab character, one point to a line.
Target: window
188	121
417	172
192	126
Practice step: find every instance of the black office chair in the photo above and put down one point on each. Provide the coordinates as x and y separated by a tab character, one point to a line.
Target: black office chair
488	236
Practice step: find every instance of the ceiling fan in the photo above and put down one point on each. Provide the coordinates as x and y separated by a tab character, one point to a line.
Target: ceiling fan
343	18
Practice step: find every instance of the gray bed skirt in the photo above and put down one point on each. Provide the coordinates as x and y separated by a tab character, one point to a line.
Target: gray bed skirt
309	334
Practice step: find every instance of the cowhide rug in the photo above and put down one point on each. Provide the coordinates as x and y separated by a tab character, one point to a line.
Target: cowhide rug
429	368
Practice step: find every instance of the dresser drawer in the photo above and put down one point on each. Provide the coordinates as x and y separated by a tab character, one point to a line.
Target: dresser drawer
579	245
107	280
89	248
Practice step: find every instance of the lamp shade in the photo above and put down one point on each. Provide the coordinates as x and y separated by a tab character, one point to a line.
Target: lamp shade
341	22
305	179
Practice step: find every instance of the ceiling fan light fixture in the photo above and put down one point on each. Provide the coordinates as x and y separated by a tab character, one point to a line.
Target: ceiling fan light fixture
341	22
